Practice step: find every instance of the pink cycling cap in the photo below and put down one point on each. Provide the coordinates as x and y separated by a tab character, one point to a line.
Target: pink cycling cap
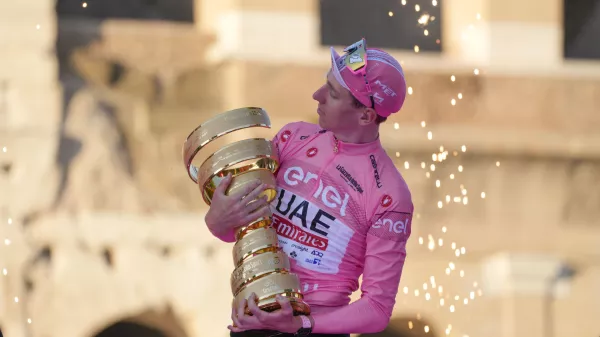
384	75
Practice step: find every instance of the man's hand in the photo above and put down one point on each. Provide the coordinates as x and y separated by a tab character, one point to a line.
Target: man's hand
231	211
282	320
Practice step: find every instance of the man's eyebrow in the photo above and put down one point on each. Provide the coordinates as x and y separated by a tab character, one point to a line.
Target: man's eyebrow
331	86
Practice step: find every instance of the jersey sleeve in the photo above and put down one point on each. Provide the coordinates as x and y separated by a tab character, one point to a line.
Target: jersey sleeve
289	138
389	230
228	237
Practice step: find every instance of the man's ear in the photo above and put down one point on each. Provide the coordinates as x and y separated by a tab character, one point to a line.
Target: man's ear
368	116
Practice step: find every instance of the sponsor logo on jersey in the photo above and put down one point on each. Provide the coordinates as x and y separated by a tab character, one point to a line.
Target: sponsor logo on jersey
308	233
349	179
319	223
312	152
316	253
375	171
391	225
286	135
328	195
287	229
313	261
299	247
386	200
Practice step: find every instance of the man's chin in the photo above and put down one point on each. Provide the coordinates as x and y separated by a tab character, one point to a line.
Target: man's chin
321	124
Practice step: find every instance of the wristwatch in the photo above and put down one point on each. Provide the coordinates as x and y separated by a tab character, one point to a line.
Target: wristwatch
307	326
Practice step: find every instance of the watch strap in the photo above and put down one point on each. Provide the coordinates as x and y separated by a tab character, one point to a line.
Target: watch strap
307	326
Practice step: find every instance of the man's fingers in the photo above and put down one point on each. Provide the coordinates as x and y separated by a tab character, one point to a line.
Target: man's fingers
222	187
240	312
254	309
256	204
234	329
253	191
234	318
263	212
286	306
245	191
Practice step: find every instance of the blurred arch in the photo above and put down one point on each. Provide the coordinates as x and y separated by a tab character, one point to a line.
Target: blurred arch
406	327
146	324
130	329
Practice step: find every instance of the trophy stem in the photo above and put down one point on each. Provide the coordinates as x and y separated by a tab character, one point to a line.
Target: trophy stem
263	268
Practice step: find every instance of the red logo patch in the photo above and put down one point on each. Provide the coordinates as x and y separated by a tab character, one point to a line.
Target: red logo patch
287	229
386	201
286	135
312	152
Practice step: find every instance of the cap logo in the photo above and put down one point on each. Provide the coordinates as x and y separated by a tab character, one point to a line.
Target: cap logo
387	90
378	99
355	58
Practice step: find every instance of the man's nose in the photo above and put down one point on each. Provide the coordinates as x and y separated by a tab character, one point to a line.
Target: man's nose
319	95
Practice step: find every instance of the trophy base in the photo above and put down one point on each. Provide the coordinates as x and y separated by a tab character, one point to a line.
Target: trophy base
298	306
268	287
270	304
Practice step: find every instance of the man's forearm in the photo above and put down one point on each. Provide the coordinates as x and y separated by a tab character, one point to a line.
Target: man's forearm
357	317
223	234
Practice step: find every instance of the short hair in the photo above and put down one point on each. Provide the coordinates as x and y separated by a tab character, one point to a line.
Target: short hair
357	104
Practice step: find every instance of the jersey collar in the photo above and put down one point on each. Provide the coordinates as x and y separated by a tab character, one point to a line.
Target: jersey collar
354	148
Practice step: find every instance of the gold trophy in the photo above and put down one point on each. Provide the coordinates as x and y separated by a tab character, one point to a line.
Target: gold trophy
261	267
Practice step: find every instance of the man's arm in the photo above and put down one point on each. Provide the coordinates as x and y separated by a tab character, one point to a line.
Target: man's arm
227	235
384	261
281	141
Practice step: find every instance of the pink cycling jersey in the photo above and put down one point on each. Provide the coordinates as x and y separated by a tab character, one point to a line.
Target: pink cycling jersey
342	210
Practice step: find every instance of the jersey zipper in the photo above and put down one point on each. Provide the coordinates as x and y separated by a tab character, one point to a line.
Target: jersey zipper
336	146
336	150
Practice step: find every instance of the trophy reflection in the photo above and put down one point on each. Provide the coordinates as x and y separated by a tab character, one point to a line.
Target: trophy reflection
261	267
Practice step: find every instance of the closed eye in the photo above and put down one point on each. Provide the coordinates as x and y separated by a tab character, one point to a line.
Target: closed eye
332	92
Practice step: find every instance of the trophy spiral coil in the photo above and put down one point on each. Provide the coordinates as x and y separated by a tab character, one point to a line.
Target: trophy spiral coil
260	265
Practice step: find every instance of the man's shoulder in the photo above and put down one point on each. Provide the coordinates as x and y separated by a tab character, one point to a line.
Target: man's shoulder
297	131
392	205
390	184
301	127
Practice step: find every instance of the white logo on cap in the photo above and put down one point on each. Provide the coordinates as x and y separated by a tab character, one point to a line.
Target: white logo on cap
355	58
378	99
387	90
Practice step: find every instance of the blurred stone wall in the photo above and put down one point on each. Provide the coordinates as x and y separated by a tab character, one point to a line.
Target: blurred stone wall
107	227
30	122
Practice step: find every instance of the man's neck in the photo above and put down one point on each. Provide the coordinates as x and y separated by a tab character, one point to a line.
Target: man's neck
360	135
